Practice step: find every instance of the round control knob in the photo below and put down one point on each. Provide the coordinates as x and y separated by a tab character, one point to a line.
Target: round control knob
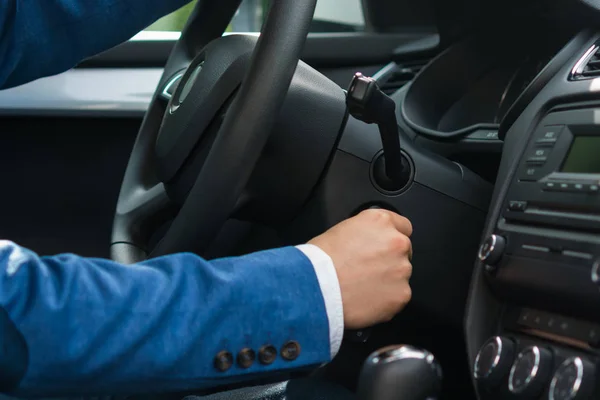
573	380
493	361
491	250
530	372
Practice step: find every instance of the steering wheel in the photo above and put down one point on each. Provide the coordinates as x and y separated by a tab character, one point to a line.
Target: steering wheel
239	128
200	143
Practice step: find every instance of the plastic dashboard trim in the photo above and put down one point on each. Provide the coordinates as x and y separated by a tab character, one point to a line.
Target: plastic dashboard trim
106	92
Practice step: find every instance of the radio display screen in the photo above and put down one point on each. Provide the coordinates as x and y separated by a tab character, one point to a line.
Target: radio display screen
584	156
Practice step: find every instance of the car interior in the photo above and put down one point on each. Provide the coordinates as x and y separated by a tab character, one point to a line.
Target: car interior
478	120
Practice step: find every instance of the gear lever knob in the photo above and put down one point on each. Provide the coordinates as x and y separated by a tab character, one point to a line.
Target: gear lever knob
400	373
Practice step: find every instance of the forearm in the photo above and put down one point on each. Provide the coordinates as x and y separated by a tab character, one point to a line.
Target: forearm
98	326
42	38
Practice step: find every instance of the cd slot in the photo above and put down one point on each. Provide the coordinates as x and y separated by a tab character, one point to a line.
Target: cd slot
564	250
555	217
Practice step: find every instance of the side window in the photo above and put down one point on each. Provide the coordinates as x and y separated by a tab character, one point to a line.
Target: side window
330	16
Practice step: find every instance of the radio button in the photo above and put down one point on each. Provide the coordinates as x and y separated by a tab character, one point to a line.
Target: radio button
541	153
546	142
530	173
570	187
514	205
549	132
536	160
551	186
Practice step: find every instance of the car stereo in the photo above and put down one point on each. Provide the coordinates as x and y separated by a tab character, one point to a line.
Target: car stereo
543	261
558	181
544	250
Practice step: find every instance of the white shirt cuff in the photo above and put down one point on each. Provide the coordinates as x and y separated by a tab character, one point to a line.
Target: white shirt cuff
332	295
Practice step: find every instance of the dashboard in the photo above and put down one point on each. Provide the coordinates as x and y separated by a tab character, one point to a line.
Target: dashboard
531	95
473	84
532	320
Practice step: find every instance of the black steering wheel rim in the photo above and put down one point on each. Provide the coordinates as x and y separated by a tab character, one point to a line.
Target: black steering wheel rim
143	203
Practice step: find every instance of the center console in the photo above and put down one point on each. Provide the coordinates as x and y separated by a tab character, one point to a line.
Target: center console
543	256
533	320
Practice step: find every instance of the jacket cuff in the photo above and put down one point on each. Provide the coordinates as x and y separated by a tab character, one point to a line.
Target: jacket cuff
332	295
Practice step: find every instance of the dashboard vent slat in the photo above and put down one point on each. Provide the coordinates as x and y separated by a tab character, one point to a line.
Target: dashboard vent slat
591	73
594	62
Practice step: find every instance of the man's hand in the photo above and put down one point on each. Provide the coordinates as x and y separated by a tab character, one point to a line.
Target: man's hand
372	255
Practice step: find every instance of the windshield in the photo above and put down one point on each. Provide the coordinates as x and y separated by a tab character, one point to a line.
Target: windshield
330	17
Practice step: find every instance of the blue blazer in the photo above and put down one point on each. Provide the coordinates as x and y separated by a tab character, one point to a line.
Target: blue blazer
71	325
45	37
78	325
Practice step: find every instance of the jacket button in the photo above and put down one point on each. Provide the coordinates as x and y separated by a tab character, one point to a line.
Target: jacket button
267	354
290	351
223	361
246	358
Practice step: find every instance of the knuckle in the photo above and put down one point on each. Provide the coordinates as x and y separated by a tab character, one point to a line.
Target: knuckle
402	272
406	295
400	243
383	217
403	297
378	215
407	269
409	227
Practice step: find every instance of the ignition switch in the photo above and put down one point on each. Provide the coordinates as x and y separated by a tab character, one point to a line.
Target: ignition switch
368	103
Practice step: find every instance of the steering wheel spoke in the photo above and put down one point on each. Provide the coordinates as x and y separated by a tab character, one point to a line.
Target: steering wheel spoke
139	214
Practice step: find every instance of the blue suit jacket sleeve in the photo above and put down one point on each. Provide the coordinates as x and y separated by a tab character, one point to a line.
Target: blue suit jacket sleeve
44	37
95	326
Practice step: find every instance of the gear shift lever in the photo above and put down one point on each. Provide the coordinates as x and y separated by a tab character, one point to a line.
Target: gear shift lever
400	373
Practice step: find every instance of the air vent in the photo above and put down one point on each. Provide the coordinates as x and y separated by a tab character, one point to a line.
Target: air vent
394	76
589	65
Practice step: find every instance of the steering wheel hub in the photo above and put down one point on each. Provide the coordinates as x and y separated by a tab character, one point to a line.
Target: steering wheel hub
187	88
210	80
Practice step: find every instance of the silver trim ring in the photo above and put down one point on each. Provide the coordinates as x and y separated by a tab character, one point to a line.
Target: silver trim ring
578	380
165	93
536	366
392	353
483	256
498	341
583	61
596	272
